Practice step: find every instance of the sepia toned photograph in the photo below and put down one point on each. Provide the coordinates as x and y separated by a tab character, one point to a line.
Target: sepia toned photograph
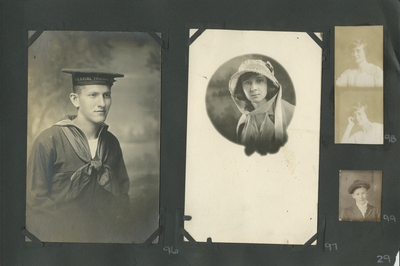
359	116
257	108
360	195
93	136
359	85
253	129
359	56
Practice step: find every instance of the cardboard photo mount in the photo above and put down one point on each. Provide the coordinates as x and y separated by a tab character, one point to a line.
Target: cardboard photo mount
196	160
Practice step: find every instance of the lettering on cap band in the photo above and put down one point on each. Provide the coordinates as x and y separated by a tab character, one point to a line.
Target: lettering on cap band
92	77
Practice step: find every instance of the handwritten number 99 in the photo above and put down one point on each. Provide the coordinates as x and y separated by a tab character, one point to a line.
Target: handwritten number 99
389	218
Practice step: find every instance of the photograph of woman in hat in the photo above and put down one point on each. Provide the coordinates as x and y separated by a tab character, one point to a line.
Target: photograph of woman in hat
265	117
361	210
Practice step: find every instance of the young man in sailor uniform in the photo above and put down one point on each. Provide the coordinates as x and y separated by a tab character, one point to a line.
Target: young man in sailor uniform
77	183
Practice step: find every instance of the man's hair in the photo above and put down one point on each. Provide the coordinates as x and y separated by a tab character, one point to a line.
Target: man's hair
76	89
357	106
359	42
239	93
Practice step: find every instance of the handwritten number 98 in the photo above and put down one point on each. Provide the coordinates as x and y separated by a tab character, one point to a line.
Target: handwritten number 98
391	138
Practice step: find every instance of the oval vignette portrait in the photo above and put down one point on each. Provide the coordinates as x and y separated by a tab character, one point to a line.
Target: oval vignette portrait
240	114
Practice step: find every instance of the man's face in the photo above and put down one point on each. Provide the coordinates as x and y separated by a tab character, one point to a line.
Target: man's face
359	116
360	195
93	102
358	54
255	88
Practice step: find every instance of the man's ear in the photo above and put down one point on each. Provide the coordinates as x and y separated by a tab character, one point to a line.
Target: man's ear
74	97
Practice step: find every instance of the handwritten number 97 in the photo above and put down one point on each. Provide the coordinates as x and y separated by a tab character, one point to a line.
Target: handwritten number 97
331	247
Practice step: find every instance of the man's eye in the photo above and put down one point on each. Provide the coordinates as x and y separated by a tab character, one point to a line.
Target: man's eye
92	95
108	95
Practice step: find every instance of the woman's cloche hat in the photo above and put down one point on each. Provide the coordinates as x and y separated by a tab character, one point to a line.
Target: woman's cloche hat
255	66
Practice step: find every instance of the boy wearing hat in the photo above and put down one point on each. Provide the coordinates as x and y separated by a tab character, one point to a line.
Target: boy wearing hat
77	189
361	210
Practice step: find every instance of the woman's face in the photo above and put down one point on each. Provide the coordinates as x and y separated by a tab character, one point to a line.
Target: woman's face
359	117
360	195
358	54
255	88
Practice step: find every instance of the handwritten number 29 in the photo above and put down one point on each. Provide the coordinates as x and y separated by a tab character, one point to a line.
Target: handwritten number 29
381	259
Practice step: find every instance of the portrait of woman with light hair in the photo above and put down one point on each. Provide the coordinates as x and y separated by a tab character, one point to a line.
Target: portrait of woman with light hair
360	130
362	73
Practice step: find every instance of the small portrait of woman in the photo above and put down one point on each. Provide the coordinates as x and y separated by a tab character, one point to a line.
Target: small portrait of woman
359	116
360	207
359	56
363	73
265	115
360	130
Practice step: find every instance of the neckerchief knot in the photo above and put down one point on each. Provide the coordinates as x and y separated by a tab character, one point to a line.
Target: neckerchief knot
96	165
94	168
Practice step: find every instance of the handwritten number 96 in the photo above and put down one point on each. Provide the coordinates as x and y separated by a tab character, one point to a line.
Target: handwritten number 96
171	250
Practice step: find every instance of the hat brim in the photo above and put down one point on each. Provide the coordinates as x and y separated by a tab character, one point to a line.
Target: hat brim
91	71
235	77
353	188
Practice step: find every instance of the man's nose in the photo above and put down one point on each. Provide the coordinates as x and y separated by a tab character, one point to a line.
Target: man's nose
101	101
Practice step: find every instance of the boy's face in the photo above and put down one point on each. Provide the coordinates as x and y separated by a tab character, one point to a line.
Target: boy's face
93	102
360	195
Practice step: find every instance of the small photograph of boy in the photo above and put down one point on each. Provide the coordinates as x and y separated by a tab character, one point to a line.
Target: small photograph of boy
360	195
